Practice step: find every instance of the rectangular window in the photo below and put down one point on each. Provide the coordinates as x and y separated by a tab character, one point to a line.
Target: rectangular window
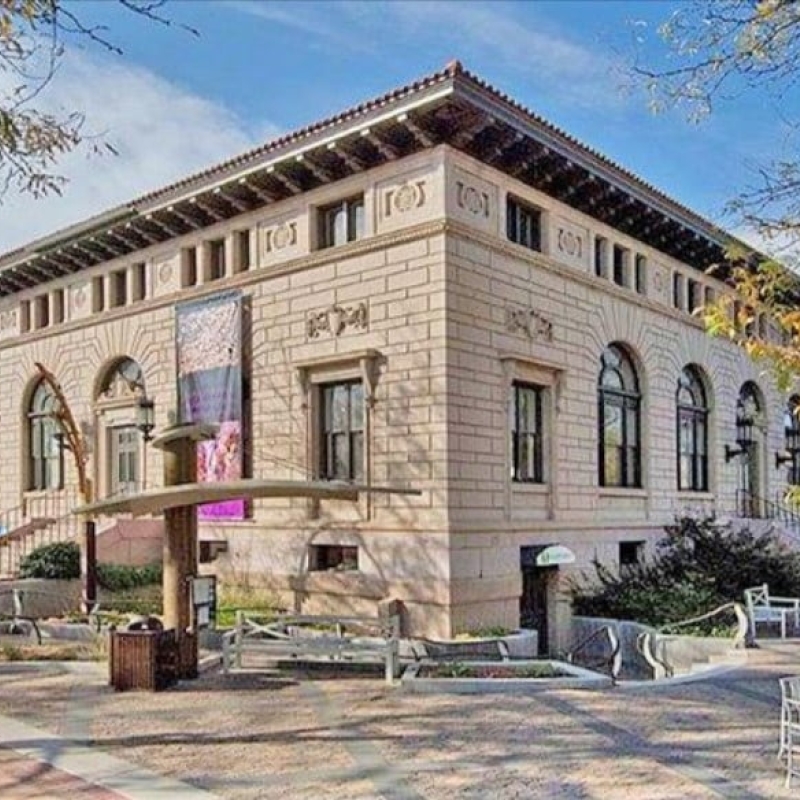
709	296
341	558
241	241
641	275
25	316
678	291
342	431
523	224
527	439
215	264
41	311
621	256
138	282
694	295
341	222
600	255
631	553
119	289
98	294
57	306
189	266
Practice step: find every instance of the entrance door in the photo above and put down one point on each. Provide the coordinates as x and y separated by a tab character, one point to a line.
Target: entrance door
124	459
533	601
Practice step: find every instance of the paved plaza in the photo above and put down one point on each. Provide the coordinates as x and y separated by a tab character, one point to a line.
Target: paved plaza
313	738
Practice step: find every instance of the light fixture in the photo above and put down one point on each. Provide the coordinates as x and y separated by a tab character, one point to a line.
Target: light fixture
145	417
788	454
744	438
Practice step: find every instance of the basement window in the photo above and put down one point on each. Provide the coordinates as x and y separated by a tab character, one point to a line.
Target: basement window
331	557
630	554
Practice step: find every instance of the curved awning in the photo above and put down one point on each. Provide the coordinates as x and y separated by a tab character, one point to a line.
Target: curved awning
156	501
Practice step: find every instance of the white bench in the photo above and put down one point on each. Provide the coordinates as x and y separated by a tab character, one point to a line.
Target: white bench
761	607
315	639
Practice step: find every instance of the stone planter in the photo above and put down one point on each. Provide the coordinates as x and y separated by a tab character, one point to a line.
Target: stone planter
414	680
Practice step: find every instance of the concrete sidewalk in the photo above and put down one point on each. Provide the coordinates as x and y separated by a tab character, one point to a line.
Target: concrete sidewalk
36	764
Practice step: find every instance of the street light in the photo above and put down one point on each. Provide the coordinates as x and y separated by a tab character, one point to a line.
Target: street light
145	417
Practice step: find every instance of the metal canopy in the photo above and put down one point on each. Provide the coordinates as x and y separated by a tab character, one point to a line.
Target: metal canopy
156	501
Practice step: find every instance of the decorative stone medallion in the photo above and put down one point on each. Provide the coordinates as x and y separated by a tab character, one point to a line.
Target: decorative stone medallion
79	297
472	200
281	237
165	272
8	320
529	322
569	243
336	319
407	197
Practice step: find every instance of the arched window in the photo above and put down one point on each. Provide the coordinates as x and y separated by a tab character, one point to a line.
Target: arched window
692	432
619	420
123	380
791	434
45	458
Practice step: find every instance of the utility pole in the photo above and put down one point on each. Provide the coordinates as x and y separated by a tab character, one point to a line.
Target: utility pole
74	441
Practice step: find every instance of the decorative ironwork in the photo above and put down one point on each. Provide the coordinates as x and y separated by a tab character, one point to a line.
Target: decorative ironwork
336	319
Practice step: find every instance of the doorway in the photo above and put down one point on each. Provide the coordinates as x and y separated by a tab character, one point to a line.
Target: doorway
124	459
533	602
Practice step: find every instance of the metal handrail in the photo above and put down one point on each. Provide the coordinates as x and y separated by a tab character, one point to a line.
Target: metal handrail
757	507
613	661
693	620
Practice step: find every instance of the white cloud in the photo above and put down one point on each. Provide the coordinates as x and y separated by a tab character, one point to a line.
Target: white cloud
161	132
485	31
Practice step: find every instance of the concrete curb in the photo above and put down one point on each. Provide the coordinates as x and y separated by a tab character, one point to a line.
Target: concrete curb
93	765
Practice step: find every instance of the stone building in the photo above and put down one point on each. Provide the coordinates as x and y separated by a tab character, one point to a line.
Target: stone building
439	290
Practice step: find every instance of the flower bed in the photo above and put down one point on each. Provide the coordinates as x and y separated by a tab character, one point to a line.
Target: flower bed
479	677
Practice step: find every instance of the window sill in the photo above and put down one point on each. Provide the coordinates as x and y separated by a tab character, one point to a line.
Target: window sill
691	494
530	488
621	491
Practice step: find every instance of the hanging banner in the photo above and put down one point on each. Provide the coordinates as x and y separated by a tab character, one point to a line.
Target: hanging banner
208	344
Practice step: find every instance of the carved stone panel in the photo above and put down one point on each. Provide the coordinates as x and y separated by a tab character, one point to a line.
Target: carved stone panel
407	200
166	274
280	240
659	285
9	323
472	200
337	320
569	243
529	323
80	300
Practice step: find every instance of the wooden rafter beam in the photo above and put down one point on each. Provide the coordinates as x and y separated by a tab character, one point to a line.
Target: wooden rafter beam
420	134
350	160
149	237
381	145
316	169
231	199
285	180
208	208
193	223
262	193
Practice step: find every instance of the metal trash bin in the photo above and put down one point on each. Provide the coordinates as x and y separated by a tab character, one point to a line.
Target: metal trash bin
143	658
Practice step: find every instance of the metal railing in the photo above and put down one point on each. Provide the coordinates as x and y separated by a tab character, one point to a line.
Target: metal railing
610	663
751	506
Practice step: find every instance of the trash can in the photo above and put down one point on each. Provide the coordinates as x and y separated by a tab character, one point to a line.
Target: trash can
143	657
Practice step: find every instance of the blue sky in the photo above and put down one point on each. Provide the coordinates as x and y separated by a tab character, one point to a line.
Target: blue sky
174	102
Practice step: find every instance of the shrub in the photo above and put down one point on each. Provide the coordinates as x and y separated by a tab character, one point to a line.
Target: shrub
56	561
699	565
120	577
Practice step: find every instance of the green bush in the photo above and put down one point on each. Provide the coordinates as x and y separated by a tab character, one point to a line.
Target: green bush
699	565
120	578
56	561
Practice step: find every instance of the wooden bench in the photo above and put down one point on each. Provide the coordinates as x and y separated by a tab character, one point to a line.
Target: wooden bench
319	639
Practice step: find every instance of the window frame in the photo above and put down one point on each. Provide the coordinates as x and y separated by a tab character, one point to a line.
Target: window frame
535	438
518	211
41	437
333	558
627	399
697	417
354	437
791	432
355	221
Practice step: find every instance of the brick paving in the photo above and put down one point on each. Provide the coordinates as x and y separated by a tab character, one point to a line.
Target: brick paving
23	778
258	737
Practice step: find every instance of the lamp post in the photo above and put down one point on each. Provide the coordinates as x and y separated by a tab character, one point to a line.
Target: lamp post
70	438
